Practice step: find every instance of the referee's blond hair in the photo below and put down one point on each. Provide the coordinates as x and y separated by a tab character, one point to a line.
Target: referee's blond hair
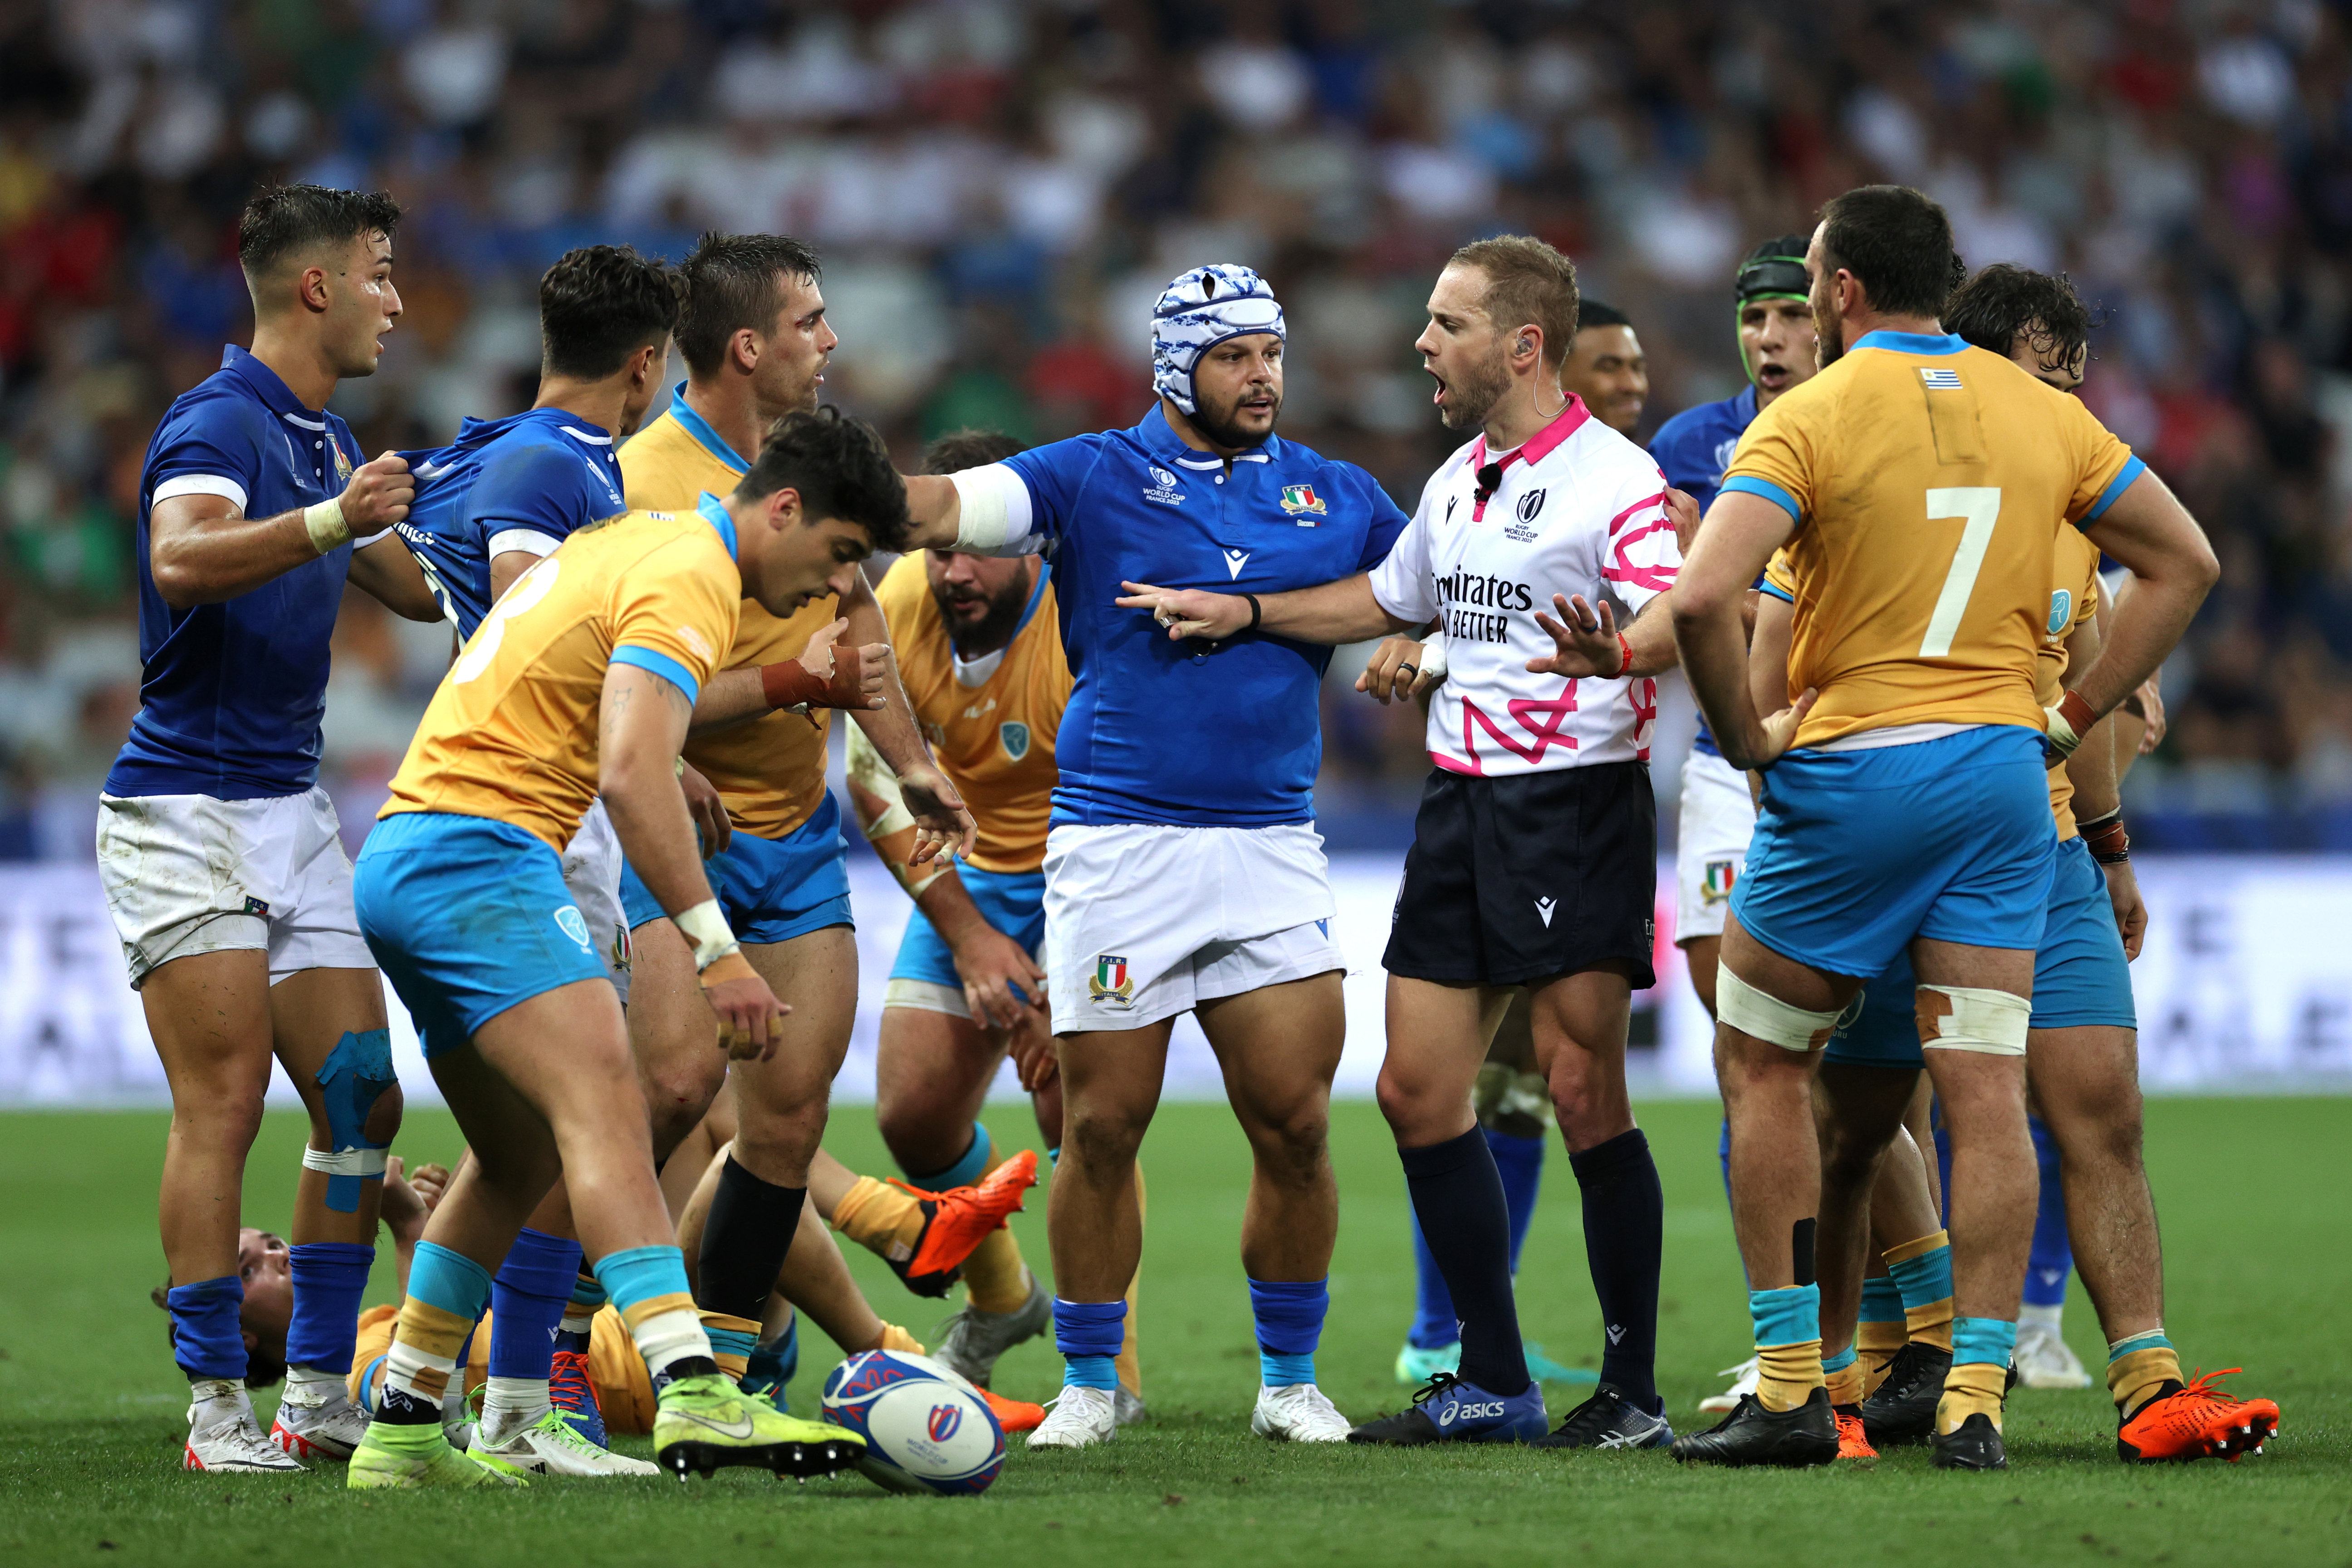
1528	281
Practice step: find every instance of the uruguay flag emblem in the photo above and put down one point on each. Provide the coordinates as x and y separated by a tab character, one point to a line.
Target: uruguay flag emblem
1013	736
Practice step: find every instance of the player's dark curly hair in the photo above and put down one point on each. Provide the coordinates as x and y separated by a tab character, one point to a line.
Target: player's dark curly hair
732	284
282	222
841	469
600	304
1897	242
960	449
260	1371
2004	300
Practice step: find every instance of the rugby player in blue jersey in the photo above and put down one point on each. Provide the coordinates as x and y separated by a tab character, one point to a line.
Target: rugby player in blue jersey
507	492
219	852
1183	868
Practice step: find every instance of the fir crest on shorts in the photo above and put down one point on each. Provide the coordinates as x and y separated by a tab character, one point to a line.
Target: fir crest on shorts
1111	983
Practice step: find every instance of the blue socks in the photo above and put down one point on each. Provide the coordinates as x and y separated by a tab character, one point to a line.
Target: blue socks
968	1169
1088	1335
2052	1258
330	1277
528	1299
1289	1318
205	1339
1982	1341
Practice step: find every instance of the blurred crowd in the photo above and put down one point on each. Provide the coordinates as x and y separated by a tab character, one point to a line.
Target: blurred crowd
998	188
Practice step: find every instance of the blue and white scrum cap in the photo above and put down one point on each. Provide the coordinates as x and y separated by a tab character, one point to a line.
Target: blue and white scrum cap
1200	310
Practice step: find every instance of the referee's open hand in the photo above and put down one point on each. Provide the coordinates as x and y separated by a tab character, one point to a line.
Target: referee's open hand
1584	640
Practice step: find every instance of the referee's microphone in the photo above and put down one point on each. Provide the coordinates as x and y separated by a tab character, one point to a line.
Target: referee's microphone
1490	479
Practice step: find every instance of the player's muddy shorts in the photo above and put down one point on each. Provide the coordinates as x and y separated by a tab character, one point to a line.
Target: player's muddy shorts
187	874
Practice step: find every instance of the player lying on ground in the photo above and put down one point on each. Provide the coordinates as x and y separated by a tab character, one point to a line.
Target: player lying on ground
1183	870
220	855
460	894
980	650
1535	850
1904	804
756	344
2082	1061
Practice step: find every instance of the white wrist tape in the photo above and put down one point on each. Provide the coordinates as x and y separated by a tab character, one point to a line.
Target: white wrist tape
871	773
707	928
1972	1018
1432	656
992	511
355	1162
325	521
1769	1019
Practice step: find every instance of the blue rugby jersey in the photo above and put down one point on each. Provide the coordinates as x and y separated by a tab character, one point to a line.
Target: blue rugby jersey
524	482
231	694
1157	731
1691	449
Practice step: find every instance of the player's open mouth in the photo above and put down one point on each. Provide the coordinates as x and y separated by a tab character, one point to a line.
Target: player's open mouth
1438	397
1771	377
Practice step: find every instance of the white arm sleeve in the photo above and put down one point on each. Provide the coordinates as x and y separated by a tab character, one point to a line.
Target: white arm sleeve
995	515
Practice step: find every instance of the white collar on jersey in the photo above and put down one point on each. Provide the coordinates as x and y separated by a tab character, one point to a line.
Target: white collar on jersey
306	424
1220	462
577	433
979	670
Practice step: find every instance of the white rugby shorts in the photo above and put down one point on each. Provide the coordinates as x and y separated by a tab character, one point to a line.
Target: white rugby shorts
1144	921
187	874
591	872
1718	817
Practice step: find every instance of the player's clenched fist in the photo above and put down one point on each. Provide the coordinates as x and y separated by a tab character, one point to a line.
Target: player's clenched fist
379	494
751	1019
1401	668
827	674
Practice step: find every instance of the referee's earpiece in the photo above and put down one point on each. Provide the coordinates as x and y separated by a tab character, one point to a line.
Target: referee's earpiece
1525	342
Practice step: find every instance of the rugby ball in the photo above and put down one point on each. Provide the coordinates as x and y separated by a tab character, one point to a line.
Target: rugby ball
926	1429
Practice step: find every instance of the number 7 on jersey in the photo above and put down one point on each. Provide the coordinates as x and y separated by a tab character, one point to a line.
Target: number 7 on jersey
1978	508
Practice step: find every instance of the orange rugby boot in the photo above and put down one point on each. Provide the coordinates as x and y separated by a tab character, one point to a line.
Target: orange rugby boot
960	1219
1014	1414
2197	1421
1852	1442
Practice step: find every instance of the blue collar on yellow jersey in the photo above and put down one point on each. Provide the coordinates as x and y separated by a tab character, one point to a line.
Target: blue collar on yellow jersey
714	512
700	428
1911	342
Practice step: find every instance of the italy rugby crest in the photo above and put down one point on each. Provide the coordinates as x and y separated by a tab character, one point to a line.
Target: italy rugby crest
1715	888
1302	503
1111	983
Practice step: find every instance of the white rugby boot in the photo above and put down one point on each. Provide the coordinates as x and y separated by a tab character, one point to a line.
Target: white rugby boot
1744	1378
1298	1413
225	1438
2043	1360
553	1446
317	1420
1080	1418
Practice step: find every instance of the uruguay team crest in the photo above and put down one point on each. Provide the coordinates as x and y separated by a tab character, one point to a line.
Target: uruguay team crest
1111	982
568	921
1715	888
1013	736
1299	499
2061	608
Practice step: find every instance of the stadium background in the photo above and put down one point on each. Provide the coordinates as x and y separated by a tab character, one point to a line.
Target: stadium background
998	189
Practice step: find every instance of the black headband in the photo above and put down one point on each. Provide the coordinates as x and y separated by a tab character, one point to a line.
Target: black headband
1772	278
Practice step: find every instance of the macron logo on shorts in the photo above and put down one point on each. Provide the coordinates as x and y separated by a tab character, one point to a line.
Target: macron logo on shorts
1544	907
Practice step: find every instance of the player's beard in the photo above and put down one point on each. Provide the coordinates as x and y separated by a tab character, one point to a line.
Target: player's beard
1829	322
1223	426
1473	397
994	630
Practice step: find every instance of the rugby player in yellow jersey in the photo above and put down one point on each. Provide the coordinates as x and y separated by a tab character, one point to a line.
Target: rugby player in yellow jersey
754	334
1920	485
2081	1059
979	644
579	685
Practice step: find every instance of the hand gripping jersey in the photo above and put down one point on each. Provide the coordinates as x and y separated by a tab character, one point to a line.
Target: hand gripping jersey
994	739
1174	734
231	693
512	734
1581	509
524	482
769	770
1927	481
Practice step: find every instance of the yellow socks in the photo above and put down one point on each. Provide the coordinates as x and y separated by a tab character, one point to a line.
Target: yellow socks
1844	1383
731	1340
2139	1367
1970	1388
1922	1271
881	1218
996	1278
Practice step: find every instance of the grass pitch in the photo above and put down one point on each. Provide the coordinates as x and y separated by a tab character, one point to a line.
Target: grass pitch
2250	1192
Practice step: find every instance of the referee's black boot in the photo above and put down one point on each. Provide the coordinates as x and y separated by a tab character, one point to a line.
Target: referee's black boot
1903	1410
1974	1445
1752	1434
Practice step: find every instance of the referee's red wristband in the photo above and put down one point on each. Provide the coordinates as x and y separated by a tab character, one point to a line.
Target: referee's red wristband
788	684
1625	654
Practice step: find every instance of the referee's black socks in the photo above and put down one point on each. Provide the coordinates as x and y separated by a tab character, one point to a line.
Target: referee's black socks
1625	1234
744	1239
1458	1195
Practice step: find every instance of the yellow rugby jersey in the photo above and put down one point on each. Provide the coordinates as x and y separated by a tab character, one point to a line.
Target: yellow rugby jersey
1928	481
995	740
769	770
512	734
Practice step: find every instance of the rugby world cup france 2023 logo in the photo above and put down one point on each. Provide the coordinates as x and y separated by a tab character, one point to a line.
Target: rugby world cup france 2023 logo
945	1419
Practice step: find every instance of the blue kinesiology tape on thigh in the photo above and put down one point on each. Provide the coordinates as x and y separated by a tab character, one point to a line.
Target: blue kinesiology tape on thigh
352	1079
